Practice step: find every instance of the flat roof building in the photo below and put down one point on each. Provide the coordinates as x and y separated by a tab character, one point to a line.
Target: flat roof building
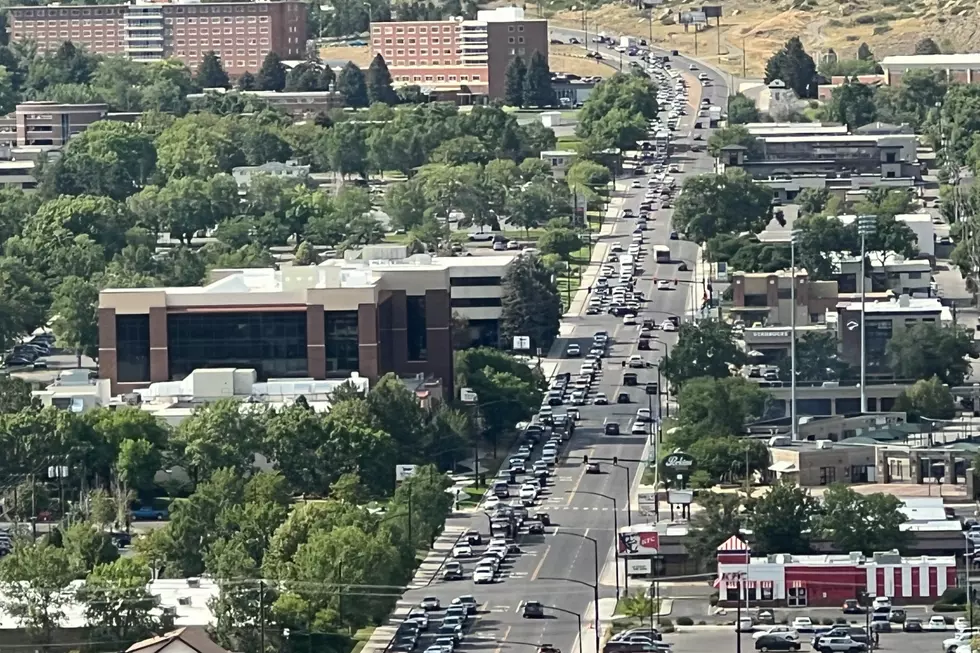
45	123
766	297
959	68
376	311
455	55
240	33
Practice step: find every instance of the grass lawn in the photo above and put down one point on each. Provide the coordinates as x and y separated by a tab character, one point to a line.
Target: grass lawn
397	239
361	638
473	496
520	234
568	142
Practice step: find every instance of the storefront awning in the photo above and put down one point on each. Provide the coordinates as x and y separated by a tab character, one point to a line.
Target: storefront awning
783	467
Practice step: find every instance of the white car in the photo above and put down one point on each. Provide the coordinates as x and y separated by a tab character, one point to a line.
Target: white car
667	325
636	184
639	428
786	632
578	398
664	284
936	623
629	318
959	639
802	623
644	415
462	551
881	602
491	502
574	350
635	361
615	247
961	624
528	492
483	575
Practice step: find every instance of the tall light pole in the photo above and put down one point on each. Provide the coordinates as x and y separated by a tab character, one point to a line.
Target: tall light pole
577	615
615	504
370	16
969	589
629	486
594	586
792	338
866	226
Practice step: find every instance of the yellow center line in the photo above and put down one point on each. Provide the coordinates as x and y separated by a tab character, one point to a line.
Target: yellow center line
503	640
537	569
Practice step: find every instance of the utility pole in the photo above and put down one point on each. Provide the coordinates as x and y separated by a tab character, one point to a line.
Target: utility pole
792	339
866	225
261	616
695	39
743	61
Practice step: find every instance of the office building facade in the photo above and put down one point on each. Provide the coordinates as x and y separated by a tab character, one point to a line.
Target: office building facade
370	316
240	33
456	54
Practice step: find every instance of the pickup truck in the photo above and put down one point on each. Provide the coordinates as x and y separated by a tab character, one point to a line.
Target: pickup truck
146	513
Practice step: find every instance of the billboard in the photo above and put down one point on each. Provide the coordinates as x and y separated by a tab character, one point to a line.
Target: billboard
713	11
691	18
638	544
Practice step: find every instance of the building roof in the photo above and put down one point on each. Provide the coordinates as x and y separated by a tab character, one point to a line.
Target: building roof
193	638
734	543
953	60
903	304
840	139
790	128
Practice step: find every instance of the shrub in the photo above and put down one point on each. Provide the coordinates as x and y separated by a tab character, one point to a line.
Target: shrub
827	621
946	607
713	600
833	22
685	621
880	29
840	620
702	623
864	20
667	628
954	595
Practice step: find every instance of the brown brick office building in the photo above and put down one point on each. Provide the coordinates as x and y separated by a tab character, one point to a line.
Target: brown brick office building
303	322
241	33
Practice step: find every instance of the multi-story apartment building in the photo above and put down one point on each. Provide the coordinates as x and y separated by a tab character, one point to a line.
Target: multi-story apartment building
47	123
446	55
241	33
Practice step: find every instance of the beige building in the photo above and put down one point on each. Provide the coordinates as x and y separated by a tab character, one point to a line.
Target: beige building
374	312
959	68
812	464
766	297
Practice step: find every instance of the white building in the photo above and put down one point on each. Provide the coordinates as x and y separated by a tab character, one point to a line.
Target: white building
959	68
243	174
560	160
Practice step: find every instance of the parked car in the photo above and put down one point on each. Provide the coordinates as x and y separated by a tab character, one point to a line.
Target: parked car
776	643
148	513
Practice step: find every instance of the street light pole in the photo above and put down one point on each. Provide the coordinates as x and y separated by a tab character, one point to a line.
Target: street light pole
615	503
629	486
594	586
792	338
865	225
969	589
577	615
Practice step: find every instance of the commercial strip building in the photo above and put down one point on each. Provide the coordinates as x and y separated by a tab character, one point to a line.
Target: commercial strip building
468	57
958	68
298	104
376	311
828	580
240	33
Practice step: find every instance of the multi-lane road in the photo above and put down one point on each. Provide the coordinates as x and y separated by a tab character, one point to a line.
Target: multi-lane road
558	568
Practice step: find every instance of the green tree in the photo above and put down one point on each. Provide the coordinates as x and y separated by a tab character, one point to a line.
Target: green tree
15	395
782	520
852	103
210	72
818	236
561	241
927	398
35	580
817	359
74	316
793	66
405	204
379	82
927	46
460	151
219	435
926	350
198	145
508	391
717	406
118	604
430	503
137	463
87	546
728	458
531	305
713	204
719	518
812	201
110	158
741	110
859	522
352	86
305	254
530	206
629	94
537	82
272	74
246	82
706	348
514	84
735	134
347	148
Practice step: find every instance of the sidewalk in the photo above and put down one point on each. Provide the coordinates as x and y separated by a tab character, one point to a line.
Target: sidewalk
599	250
425	574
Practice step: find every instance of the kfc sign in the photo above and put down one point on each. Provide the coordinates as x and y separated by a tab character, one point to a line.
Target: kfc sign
638	544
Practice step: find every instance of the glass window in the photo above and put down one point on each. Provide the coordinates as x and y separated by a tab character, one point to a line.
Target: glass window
133	348
417	336
342	350
273	344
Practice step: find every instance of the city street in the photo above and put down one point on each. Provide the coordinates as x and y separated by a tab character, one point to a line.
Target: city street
714	638
559	568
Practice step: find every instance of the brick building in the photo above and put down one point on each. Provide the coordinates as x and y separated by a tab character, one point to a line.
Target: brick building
384	313
241	33
459	55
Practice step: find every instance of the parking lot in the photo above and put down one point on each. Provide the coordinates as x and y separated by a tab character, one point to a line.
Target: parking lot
721	638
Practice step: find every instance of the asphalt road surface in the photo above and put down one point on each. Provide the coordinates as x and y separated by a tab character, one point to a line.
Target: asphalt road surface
723	639
559	568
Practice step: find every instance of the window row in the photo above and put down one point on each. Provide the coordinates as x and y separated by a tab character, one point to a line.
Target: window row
433	41
425	62
446	29
77	23
73	12
438	78
422	53
227	31
217	42
227	54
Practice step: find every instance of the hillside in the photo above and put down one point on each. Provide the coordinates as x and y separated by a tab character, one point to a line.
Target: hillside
888	26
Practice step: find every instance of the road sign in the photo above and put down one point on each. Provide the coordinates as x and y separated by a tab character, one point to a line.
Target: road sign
467	395
711	11
403	472
522	342
679	462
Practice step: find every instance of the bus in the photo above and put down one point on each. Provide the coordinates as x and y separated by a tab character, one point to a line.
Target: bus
661	253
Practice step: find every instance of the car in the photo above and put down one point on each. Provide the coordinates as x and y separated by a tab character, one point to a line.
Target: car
644	415
623	398
462	551
573	350
667	325
775	643
148	513
445	644
430	603
802	624
421	617
951	644
961	624
785	632
840	645
532	610
600	399
611	428
548	648
881	602
851	606
593	468
673	234
664	284
629	319
913	625
635	361
452	573
491	502
483	575
468	601
574	414
936	623
636	184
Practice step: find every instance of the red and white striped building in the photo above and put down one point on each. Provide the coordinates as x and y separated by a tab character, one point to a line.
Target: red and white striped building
827	580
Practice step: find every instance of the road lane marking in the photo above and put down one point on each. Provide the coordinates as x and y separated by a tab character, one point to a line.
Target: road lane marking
537	569
503	639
